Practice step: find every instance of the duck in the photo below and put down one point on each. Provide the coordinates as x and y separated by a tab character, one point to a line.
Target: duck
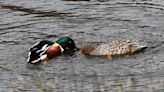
44	50
115	48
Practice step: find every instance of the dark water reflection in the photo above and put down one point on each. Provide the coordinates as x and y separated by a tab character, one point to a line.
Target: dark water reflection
24	22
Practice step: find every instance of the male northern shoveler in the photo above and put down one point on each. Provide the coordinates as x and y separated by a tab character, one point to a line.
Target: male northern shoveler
115	48
43	50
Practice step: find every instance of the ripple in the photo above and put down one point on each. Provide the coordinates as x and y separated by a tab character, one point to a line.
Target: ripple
39	13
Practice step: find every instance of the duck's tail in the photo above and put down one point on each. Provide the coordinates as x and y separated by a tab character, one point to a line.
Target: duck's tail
142	47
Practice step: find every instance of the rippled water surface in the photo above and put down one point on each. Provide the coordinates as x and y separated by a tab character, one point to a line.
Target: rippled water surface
24	22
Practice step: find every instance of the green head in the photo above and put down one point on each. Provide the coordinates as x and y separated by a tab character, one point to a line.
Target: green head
66	43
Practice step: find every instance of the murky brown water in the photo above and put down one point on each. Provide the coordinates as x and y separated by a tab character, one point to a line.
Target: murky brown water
24	22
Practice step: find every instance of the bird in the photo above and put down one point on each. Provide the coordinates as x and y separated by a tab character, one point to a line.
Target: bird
44	50
114	48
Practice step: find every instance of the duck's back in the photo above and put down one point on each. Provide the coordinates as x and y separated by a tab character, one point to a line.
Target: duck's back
118	48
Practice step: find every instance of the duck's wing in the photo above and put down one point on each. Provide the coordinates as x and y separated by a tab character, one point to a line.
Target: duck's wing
136	46
40	44
38	51
103	49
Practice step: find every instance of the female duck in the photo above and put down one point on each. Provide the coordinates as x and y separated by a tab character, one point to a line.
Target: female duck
43	50
115	48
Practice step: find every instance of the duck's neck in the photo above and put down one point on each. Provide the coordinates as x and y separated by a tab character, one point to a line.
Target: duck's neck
57	45
87	50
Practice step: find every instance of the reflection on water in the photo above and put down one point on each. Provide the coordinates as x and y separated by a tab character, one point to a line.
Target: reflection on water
22	23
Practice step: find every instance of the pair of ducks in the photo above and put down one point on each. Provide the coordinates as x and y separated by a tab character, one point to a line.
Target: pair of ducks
44	50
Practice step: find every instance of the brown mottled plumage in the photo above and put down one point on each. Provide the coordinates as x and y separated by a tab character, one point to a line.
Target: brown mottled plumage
114	48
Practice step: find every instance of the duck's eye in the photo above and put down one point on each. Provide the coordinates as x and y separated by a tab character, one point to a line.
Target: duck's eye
70	42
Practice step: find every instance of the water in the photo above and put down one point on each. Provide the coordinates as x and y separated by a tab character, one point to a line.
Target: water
24	22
